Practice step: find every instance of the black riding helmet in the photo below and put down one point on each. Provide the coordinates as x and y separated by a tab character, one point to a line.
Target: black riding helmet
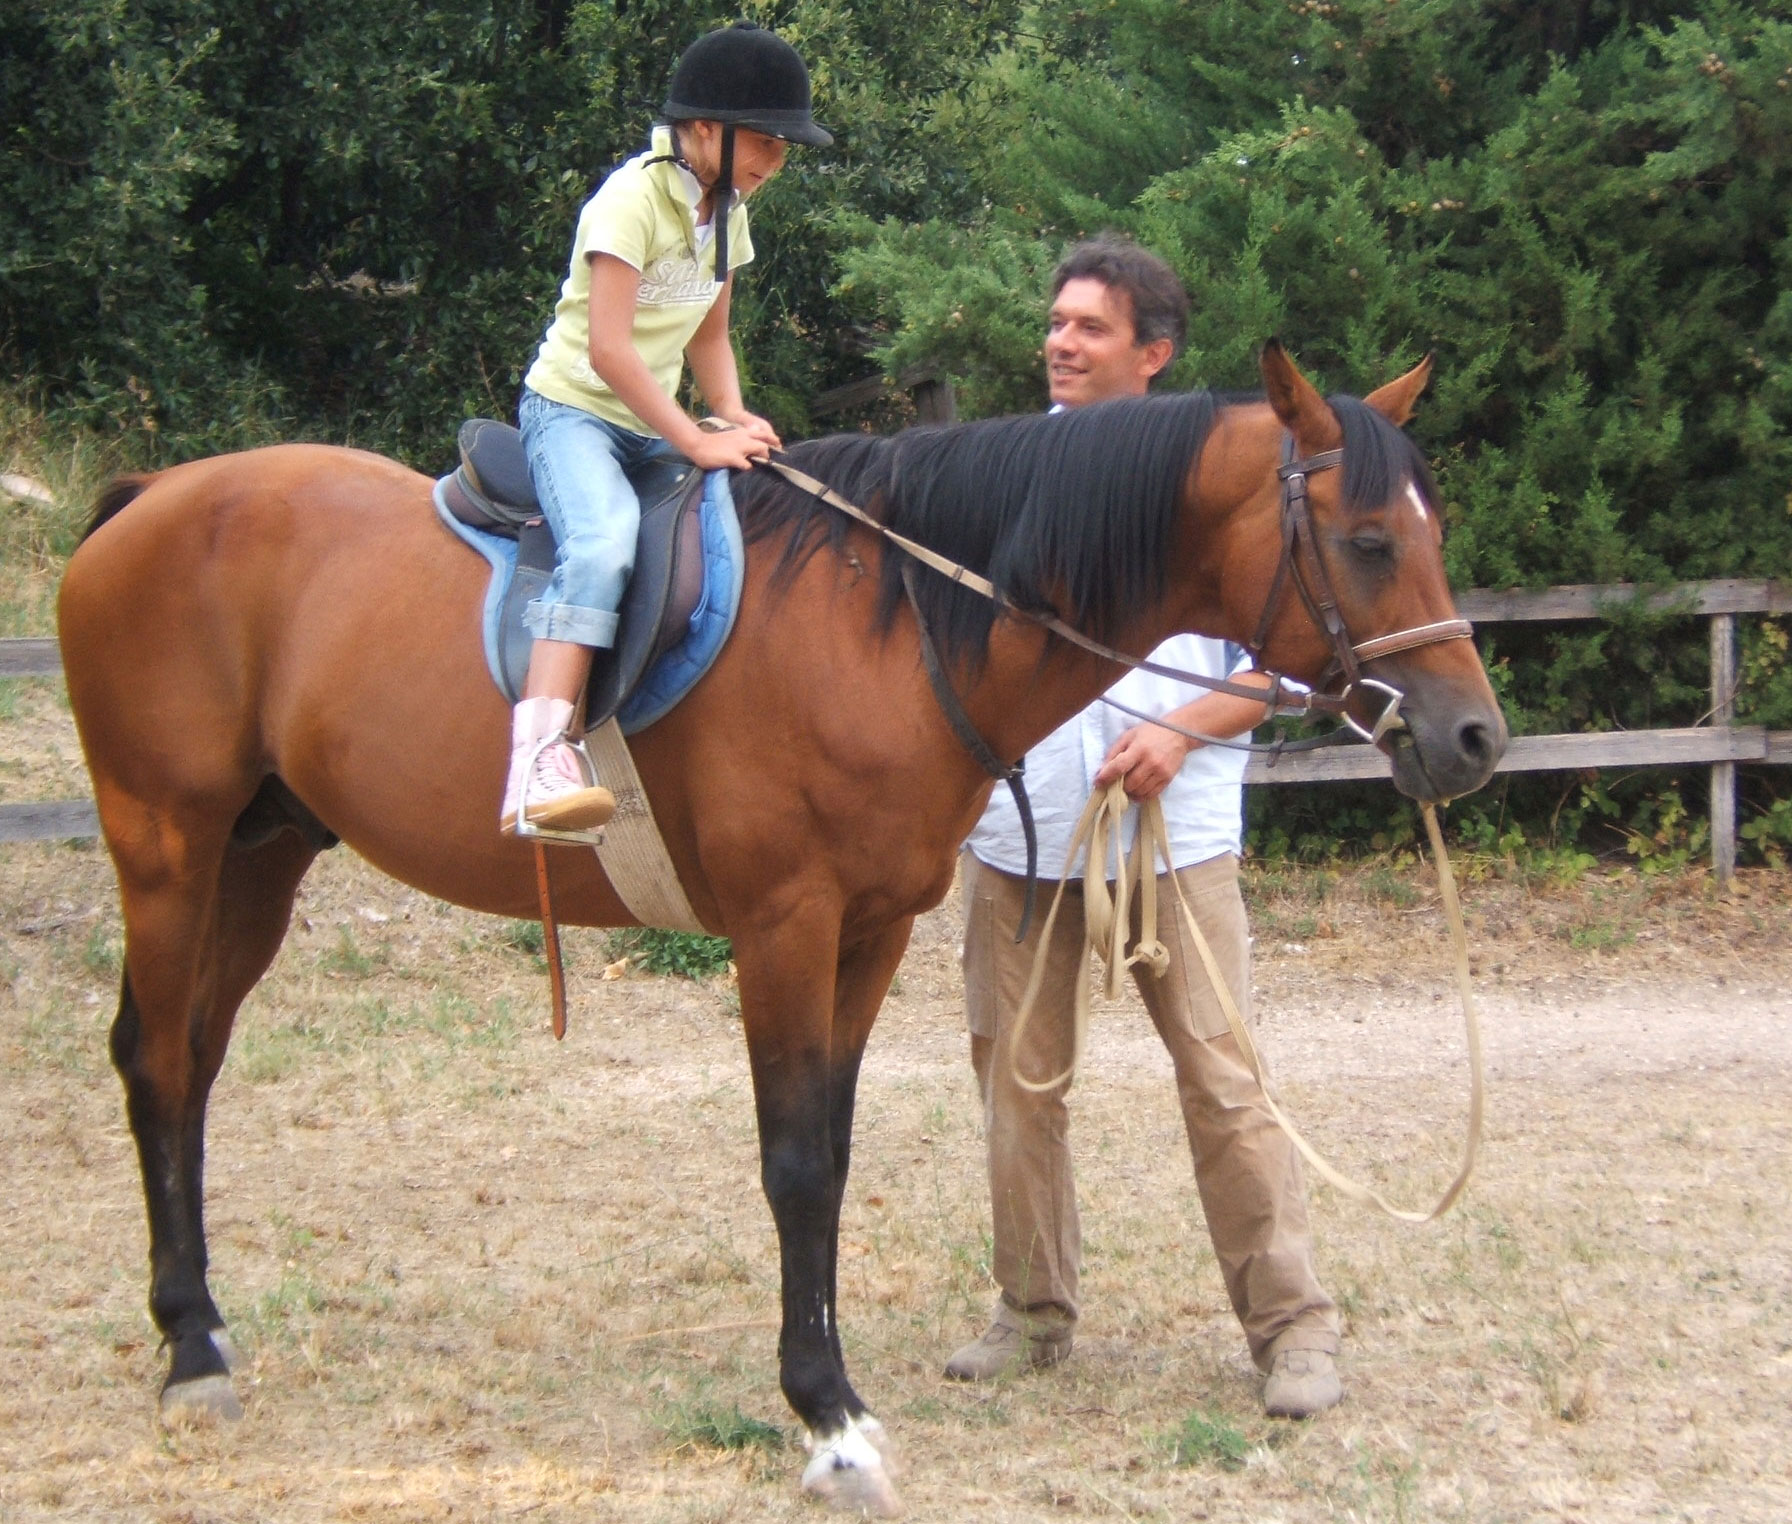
742	76
745	76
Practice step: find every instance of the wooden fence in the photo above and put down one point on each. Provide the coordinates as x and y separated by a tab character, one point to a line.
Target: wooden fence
1719	743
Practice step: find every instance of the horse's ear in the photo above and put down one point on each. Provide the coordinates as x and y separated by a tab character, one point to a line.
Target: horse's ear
1302	410
1395	400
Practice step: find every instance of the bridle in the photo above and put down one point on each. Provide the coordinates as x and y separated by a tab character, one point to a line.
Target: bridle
1302	563
1300	539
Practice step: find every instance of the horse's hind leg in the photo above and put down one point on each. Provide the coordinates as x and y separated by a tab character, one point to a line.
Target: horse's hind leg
195	946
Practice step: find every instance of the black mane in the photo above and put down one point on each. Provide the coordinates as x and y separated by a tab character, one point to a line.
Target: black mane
1379	459
1079	504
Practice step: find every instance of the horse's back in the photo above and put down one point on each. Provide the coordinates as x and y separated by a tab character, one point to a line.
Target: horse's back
229	516
216	622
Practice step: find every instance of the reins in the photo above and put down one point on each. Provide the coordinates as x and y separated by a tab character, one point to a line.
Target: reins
1107	920
1315	590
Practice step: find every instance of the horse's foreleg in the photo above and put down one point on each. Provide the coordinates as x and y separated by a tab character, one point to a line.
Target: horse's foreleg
861	982
193	951
788	1001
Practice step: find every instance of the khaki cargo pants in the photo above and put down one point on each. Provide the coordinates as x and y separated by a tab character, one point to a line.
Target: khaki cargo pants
1246	1170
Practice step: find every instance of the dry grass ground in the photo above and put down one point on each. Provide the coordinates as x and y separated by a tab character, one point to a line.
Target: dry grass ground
479	1276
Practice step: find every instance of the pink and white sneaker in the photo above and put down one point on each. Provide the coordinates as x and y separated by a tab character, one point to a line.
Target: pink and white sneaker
548	784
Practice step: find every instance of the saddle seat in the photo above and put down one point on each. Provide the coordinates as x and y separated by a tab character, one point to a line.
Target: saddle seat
682	544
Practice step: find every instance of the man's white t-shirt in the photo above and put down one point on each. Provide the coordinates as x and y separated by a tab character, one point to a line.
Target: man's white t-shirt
1203	805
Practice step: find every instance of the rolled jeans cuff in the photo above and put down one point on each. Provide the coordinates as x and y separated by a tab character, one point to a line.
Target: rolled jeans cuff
568	622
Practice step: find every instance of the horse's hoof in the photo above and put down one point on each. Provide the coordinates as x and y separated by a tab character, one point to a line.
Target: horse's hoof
205	1399
883	1442
846	1471
226	1348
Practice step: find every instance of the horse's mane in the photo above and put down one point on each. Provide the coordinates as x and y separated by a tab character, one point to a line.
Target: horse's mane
1077	505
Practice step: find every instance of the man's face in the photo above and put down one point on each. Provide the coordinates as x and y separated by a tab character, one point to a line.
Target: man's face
1091	351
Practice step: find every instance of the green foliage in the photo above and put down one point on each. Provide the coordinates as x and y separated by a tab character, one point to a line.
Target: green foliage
688	954
1205	1439
224	224
528	938
698	1424
1582	212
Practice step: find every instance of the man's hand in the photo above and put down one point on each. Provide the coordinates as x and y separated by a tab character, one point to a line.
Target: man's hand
1145	759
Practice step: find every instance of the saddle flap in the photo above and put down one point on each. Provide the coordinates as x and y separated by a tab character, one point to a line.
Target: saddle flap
663	589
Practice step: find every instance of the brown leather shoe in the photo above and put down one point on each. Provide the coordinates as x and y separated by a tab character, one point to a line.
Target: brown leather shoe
1301	1382
1010	1346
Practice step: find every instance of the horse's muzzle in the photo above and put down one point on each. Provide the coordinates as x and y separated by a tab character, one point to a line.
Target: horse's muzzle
1435	761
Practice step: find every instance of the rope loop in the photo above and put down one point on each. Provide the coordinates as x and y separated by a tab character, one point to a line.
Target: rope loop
1107	918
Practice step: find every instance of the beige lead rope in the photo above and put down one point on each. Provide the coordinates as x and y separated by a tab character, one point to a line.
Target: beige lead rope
1107	921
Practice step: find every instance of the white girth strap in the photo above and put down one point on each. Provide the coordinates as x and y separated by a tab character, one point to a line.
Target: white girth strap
633	855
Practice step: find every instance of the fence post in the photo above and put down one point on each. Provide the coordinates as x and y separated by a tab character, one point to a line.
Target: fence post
1723	774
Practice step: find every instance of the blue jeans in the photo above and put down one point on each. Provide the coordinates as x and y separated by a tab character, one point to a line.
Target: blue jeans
576	461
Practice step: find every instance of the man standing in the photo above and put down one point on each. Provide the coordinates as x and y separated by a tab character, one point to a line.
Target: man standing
1118	316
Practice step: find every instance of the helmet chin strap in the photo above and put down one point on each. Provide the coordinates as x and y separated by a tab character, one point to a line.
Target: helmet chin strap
720	191
724	199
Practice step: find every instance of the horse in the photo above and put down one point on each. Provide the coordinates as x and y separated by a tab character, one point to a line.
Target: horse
271	651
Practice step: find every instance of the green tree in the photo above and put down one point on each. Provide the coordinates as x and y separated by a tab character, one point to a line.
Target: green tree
354	216
1583	212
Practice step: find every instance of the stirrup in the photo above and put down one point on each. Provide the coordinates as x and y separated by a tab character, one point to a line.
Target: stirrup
525	828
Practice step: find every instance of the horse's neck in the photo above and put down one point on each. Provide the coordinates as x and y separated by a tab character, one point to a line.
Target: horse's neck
1034	681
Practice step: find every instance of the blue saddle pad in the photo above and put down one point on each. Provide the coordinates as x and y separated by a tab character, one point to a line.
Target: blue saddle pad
676	672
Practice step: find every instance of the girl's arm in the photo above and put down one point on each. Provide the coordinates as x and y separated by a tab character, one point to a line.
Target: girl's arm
610	313
712	362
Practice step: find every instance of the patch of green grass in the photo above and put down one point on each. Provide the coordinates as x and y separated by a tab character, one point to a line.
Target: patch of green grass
1599	936
50	1038
1385	884
103	953
688	954
283	1314
526	937
1207	1439
698	1424
346	958
457	1021
267	1055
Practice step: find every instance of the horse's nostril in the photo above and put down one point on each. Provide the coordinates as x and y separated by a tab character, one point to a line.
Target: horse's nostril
1475	740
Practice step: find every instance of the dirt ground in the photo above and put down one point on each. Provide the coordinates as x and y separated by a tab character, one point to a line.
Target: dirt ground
476	1275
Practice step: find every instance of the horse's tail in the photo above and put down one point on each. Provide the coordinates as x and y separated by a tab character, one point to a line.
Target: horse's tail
117	494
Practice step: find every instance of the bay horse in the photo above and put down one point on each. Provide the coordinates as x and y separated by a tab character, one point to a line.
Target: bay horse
271	650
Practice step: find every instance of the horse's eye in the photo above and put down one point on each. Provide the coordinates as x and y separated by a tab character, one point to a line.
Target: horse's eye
1373	546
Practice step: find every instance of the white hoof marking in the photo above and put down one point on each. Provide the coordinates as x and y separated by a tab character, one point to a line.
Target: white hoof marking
226	1348
204	1400
847	1471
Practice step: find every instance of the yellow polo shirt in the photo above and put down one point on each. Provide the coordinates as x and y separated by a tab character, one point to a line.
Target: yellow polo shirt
646	215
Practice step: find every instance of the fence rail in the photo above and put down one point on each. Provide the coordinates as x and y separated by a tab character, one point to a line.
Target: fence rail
1719	745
